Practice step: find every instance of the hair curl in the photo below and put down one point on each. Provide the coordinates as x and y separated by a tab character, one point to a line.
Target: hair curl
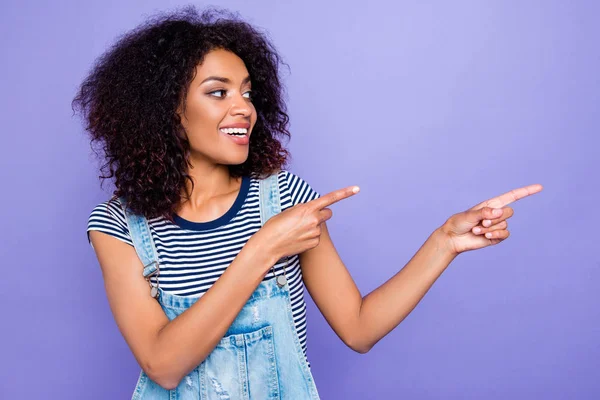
130	98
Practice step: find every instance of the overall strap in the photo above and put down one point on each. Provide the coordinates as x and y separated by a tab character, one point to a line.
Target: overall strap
143	244
270	205
270	202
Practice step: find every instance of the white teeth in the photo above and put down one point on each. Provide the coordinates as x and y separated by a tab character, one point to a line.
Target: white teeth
229	131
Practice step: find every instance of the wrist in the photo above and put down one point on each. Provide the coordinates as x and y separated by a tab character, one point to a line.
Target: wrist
444	242
261	253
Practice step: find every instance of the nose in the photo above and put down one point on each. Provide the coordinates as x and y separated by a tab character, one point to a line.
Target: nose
240	105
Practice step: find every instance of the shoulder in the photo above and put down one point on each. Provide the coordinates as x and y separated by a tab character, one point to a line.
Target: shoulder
293	185
108	217
109	211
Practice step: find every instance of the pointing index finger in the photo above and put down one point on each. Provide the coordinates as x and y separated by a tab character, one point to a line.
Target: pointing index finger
334	197
510	197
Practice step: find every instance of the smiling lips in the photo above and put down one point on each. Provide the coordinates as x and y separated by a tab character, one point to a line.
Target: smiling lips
234	131
245	125
237	132
238	129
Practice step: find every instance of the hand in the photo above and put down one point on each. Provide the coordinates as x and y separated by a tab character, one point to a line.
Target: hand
463	231
298	229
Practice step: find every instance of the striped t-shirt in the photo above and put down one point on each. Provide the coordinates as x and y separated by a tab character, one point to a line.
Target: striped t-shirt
193	255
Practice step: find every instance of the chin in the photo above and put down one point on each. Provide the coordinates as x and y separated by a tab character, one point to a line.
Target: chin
236	161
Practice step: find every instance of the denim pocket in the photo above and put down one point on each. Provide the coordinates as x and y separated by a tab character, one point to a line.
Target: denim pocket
241	366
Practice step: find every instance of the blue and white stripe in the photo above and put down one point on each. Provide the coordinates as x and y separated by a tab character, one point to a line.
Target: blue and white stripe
193	256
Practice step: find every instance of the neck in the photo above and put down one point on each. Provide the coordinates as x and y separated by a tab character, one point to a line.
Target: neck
210	180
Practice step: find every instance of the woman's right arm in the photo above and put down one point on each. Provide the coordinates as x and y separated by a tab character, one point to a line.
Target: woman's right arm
169	350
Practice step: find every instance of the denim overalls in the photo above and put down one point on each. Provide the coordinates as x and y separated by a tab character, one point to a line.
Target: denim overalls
260	357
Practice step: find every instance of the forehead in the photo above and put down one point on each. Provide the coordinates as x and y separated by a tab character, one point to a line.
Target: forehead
222	63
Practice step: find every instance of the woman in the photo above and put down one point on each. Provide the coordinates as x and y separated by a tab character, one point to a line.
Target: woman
188	108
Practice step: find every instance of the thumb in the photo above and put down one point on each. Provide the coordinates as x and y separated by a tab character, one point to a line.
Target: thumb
472	218
485	213
465	221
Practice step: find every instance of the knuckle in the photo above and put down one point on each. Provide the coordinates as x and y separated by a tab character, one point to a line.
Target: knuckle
308	215
314	220
301	209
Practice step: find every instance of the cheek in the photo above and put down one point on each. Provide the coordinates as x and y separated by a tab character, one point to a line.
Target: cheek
203	116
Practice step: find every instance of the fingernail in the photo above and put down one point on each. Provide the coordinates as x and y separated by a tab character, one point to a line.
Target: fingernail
356	189
497	212
488	235
477	230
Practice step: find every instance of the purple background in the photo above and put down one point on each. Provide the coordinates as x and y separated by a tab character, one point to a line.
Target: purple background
431	107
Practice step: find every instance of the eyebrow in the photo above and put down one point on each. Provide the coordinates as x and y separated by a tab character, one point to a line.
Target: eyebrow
224	80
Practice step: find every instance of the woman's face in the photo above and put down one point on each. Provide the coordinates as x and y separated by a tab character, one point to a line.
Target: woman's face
218	99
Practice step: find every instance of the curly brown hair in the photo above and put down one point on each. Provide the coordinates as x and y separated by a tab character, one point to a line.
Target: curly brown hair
130	98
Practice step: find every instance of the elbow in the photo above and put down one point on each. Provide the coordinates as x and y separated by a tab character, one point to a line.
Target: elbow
161	374
361	349
358	346
166	367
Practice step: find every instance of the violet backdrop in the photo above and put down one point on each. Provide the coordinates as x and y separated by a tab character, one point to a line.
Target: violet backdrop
429	106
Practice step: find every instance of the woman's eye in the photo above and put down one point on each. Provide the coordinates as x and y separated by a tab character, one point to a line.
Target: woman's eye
217	91
222	93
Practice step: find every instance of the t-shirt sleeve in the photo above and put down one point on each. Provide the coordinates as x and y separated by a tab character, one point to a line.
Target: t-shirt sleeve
294	190
108	217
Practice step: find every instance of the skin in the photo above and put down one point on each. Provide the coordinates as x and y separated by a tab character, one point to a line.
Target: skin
362	321
211	104
169	350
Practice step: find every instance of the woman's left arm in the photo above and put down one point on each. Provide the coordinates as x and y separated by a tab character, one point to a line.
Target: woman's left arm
360	322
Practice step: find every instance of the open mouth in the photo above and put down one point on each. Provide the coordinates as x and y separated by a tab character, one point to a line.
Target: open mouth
237	135
239	132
